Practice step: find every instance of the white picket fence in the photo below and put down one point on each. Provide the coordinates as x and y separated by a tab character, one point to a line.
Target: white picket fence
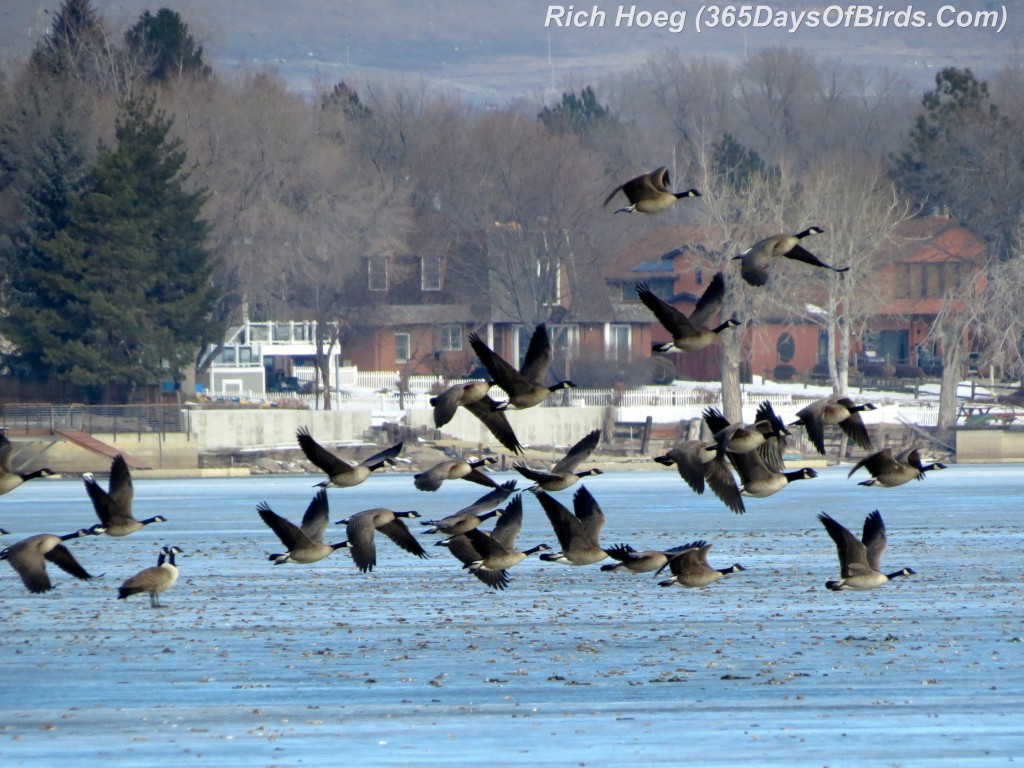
378	392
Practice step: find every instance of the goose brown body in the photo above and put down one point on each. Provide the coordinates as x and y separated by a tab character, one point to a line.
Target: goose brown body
890	471
578	532
29	557
689	567
304	543
838	411
473	396
689	333
341	473
153	581
488	556
563	474
860	560
649	193
114	506
525	386
756	262
455	469
10	479
362	527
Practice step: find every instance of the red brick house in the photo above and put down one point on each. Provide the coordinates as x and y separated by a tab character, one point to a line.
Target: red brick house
932	255
418	310
413	312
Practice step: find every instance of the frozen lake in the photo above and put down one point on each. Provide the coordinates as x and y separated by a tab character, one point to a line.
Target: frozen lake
418	663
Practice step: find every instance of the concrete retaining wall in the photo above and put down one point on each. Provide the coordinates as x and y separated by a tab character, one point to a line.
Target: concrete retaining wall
239	431
234	430
534	426
168	451
989	446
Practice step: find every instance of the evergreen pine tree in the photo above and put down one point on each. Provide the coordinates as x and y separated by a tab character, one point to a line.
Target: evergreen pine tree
125	297
576	114
165	40
72	43
34	264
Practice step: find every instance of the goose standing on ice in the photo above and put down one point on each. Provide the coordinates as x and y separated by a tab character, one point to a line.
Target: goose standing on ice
153	581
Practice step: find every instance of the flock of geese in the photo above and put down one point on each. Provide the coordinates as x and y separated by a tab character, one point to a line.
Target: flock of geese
738	460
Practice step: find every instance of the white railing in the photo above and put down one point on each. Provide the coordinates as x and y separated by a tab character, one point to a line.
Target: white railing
347	375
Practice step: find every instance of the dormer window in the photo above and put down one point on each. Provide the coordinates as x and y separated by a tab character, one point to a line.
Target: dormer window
430	273
377	273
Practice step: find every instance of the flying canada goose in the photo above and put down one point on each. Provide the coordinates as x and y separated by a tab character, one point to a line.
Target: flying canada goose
525	387
470	517
9	479
649	193
577	531
836	411
698	463
756	261
759	480
692	333
563	474
859	561
767	435
114	508
889	471
28	557
153	580
362	525
454	469
340	473
474	398
488	556
690	567
639	562
305	544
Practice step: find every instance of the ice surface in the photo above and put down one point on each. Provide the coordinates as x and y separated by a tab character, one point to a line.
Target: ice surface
417	663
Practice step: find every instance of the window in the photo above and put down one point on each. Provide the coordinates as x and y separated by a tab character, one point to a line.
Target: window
823	347
451	338
618	342
927	280
549	281
377	272
430	273
660	287
402	347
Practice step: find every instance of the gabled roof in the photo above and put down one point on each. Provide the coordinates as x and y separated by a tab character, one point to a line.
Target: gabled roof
660	245
937	239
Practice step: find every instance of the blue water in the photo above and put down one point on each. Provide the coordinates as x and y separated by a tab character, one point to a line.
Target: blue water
418	663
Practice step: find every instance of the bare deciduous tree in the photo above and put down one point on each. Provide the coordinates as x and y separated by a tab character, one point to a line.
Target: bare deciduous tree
859	208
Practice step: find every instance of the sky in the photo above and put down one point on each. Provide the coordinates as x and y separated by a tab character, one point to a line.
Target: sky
497	51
